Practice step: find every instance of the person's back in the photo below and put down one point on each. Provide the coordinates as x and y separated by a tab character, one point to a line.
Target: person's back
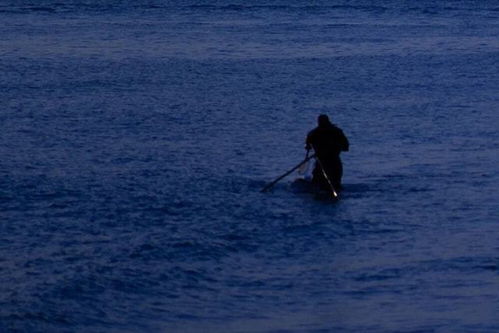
328	141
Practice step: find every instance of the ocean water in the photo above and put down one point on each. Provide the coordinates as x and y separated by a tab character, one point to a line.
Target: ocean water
135	137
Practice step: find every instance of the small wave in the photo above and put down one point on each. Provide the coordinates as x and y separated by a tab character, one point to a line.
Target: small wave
234	7
470	264
41	9
25	10
379	276
487	267
235	237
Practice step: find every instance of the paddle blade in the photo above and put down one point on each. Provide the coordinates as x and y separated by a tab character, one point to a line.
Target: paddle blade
303	169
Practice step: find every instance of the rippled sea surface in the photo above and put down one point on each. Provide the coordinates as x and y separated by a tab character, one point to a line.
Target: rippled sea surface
135	137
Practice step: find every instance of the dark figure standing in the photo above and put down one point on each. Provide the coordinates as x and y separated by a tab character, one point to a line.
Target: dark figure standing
328	141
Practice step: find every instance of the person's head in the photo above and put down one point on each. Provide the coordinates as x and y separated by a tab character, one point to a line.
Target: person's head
323	120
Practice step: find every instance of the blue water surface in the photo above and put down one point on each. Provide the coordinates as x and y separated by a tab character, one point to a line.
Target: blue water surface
136	135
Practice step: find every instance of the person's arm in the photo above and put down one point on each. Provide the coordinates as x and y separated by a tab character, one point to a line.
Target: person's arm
308	144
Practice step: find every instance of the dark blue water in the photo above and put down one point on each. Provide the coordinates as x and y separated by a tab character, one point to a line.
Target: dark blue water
136	135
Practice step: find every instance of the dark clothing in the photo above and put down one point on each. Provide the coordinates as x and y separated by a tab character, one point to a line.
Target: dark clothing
328	141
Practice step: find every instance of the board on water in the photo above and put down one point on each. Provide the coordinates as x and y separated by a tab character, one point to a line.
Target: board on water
305	185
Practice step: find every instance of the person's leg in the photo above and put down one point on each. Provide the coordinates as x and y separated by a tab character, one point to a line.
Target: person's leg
338	176
335	172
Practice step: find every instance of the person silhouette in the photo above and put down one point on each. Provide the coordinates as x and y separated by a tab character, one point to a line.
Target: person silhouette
328	141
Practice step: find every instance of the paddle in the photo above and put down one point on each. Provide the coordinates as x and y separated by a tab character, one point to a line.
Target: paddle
335	194
269	185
